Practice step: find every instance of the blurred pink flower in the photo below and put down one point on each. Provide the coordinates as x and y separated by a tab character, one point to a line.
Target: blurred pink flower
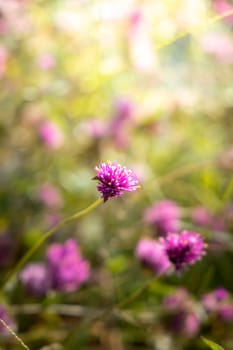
151	253
3	60
164	215
46	61
50	196
219	45
95	128
223	6
51	135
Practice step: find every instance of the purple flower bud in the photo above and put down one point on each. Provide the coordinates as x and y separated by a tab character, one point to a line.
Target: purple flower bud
68	269
114	180
152	254
184	249
165	216
219	303
35	279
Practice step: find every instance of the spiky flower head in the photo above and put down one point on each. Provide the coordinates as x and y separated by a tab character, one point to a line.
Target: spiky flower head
184	249
114	180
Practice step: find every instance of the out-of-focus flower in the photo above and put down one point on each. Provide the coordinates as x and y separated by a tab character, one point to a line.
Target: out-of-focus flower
119	127
68	269
3	60
140	44
219	303
50	196
151	253
114	180
46	61
165	216
4	315
202	216
95	128
222	7
51	135
184	249
219	45
183	316
35	279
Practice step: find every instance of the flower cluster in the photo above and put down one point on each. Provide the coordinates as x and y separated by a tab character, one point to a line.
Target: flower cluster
65	270
219	303
179	250
114	180
183	314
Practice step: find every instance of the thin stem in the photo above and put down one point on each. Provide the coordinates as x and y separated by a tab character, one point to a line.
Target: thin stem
45	236
14	334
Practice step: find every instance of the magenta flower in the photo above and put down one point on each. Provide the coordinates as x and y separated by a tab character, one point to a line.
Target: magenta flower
219	303
35	279
68	269
152	254
184	249
114	180
164	215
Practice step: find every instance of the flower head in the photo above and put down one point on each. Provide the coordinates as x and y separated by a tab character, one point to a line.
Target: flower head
184	249
51	135
151	253
35	279
68	269
114	180
164	215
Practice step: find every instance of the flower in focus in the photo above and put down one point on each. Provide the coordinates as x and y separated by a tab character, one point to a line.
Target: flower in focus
114	180
164	215
35	279
51	135
151	253
68	269
7	319
184	249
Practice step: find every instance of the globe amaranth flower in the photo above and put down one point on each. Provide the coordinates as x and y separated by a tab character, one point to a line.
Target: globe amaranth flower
152	254
35	278
183	313
183	249
67	268
219	303
165	216
114	180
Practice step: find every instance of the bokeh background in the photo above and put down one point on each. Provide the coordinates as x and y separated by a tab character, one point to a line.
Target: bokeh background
147	84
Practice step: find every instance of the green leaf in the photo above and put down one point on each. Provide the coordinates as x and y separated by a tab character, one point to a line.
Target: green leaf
211	344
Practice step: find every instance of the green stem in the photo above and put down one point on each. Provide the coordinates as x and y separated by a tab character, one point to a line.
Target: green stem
45	236
14	334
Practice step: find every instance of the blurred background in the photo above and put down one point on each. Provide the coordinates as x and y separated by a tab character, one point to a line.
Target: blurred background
147	84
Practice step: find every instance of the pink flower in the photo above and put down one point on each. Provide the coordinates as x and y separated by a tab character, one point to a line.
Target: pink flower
51	135
50	196
219	45
151	253
223	6
46	61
